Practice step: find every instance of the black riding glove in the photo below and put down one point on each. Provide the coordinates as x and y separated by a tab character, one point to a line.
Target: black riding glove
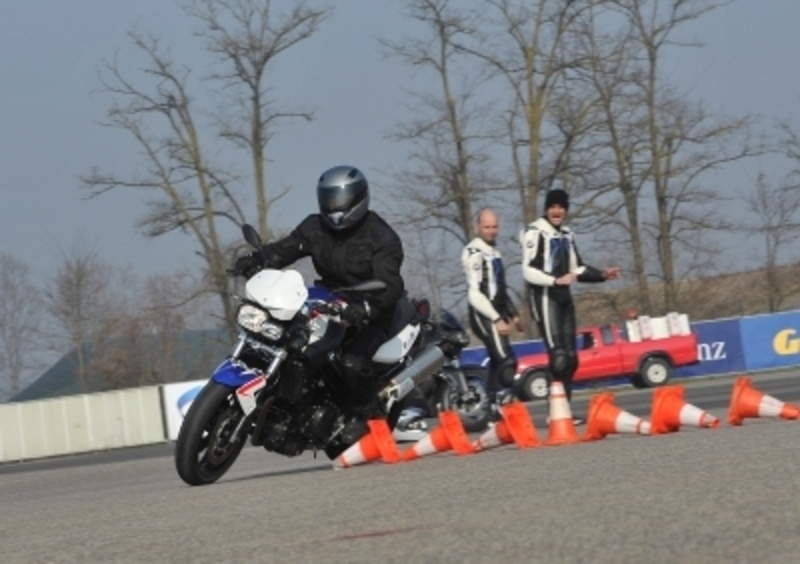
248	265
297	338
355	313
298	334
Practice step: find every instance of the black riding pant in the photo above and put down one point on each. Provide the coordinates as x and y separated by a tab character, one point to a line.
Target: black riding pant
555	317
502	361
357	366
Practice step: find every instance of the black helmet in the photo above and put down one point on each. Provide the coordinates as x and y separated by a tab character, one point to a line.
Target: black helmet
343	196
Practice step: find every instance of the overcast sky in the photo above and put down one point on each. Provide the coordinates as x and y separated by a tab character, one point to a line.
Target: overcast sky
49	131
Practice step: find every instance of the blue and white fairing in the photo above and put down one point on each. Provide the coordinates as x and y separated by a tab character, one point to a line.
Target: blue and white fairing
317	294
235	374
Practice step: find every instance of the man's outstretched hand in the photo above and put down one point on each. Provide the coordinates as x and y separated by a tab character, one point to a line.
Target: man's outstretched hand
611	273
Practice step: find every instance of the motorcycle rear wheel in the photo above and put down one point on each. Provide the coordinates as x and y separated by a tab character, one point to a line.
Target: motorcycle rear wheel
204	450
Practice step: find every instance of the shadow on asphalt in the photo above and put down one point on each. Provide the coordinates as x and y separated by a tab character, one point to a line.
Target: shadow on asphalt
275	473
159	450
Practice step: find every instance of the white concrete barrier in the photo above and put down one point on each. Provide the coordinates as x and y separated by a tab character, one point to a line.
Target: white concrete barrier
84	423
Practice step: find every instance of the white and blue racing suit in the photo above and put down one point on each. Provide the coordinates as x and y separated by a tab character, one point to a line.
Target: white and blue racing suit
489	302
549	252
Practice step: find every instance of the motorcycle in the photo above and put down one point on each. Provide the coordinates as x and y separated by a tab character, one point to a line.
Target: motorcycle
454	387
282	388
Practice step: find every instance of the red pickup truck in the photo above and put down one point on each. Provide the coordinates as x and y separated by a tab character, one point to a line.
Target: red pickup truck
605	352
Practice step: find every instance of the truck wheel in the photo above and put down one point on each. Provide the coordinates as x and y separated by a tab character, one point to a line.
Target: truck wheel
535	385
655	372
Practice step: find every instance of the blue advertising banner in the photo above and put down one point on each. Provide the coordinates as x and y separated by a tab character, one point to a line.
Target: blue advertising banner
724	346
477	356
719	349
771	341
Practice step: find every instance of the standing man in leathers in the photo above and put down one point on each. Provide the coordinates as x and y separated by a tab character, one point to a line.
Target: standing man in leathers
491	311
550	265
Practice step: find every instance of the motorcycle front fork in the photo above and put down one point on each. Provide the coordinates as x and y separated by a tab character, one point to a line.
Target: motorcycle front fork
457	379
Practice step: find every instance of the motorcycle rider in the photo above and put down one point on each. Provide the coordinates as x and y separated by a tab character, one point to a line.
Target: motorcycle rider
490	307
550	264
348	243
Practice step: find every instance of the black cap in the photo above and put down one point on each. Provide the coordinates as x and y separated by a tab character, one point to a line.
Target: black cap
556	196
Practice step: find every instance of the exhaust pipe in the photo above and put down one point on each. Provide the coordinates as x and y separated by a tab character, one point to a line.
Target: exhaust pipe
428	363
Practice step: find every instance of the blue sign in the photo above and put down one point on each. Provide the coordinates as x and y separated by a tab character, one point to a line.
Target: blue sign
724	346
771	341
477	356
719	349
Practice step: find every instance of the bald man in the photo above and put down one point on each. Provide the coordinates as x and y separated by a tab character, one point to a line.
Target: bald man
490	307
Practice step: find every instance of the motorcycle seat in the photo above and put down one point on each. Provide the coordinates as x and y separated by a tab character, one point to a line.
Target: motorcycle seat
404	313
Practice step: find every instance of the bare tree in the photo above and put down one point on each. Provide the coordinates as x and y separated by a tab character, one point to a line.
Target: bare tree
446	180
20	323
247	37
776	212
192	193
78	301
685	142
611	70
427	275
528	45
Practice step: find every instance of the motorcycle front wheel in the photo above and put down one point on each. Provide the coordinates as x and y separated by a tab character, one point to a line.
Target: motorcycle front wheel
205	449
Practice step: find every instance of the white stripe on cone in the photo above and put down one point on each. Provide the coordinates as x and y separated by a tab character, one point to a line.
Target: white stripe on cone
424	446
352	456
559	406
489	439
693	415
770	407
629	423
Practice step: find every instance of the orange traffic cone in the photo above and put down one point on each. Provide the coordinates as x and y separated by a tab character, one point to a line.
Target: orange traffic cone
377	444
606	418
561	430
515	427
449	435
746	401
670	411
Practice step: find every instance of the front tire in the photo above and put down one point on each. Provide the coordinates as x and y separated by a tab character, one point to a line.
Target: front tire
204	451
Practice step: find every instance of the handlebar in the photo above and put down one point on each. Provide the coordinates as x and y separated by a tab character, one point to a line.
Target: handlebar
332	308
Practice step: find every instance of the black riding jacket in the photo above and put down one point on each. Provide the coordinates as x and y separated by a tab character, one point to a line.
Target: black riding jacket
368	251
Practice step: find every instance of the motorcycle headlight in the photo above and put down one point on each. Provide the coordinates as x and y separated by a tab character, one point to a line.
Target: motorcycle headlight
271	330
257	320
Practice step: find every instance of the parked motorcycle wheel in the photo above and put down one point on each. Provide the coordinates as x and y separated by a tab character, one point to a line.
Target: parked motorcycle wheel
204	450
474	414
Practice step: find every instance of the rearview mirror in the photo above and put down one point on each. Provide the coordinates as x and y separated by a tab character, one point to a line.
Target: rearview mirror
251	235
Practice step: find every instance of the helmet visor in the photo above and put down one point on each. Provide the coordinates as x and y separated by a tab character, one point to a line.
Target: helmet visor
340	198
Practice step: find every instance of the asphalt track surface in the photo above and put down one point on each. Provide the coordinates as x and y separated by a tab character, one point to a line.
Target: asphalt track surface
699	495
